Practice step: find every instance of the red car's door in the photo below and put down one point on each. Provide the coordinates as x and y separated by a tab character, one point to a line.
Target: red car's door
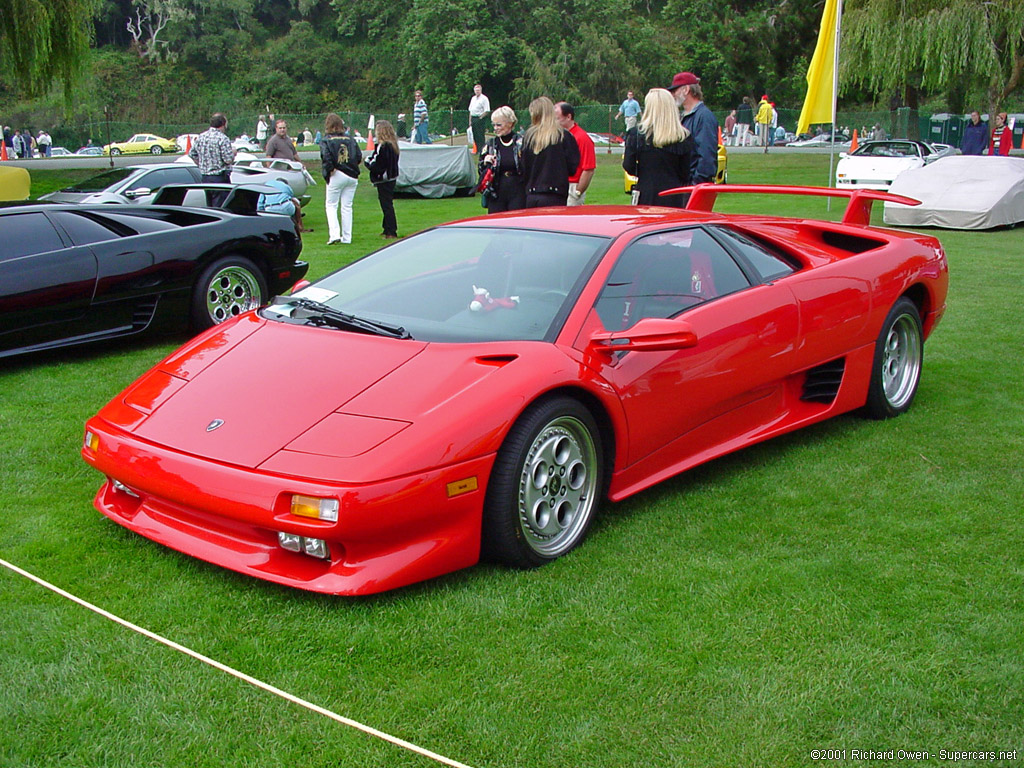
681	402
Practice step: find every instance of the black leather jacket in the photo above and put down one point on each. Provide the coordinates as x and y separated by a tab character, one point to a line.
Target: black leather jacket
339	153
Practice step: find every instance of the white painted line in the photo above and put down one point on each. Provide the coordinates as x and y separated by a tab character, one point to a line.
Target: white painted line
235	673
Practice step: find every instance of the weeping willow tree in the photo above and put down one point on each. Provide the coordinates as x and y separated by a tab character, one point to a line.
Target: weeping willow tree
959	46
43	42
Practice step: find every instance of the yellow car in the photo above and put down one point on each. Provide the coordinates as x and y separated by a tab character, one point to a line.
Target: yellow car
14	183
722	177
141	143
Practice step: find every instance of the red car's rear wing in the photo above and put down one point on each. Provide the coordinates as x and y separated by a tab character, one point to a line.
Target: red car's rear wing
858	210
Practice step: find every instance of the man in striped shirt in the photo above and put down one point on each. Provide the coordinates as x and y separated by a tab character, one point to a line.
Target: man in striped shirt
420	120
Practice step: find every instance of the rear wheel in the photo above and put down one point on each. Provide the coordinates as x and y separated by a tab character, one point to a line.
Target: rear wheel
115	151
544	486
226	289
896	370
156	150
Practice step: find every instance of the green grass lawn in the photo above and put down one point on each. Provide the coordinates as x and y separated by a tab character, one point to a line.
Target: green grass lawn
857	585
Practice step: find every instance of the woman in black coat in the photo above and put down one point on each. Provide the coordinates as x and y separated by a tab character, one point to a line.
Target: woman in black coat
550	156
659	151
383	167
503	157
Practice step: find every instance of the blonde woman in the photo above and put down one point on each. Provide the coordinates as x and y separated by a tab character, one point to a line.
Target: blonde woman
383	167
504	156
659	151
550	156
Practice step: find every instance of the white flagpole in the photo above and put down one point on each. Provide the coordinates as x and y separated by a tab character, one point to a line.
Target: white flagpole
835	99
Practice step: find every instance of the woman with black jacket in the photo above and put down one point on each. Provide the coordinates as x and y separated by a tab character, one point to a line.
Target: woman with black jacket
383	167
659	151
503	156
550	156
339	157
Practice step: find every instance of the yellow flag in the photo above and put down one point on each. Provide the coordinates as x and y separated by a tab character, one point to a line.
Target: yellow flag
821	73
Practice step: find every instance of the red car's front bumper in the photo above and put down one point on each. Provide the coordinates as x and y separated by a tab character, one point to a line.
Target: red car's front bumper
388	534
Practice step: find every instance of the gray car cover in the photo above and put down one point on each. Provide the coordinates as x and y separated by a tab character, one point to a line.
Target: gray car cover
434	170
961	192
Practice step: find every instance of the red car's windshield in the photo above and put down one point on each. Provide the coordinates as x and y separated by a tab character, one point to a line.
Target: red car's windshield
464	283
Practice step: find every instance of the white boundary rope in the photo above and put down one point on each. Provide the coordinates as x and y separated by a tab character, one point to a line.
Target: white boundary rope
235	673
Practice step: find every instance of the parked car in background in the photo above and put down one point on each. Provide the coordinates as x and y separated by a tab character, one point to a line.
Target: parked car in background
130	184
89	151
244	144
60	152
876	164
86	274
137	184
252	169
142	144
823	140
481	388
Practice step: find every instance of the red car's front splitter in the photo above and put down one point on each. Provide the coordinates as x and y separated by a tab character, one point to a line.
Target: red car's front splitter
388	534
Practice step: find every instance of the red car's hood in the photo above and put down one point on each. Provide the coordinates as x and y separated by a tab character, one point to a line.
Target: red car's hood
245	398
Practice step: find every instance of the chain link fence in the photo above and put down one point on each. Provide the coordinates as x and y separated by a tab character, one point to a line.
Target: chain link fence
450	126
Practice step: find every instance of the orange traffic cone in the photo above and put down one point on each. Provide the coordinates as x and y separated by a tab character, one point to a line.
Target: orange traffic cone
188	143
3	150
370	146
719	135
853	141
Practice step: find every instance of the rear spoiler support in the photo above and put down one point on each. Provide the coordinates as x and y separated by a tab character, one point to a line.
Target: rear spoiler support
858	210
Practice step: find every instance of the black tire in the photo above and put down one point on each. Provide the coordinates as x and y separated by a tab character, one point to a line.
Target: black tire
226	288
545	485
156	150
896	370
115	151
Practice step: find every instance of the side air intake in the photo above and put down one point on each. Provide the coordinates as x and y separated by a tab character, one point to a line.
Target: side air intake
821	384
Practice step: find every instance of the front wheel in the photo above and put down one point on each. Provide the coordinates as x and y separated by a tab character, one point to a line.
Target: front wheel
156	150
544	486
115	151
226	289
896	370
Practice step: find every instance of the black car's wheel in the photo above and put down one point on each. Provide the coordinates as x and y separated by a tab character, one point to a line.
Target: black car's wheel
115	151
227	288
544	486
896	370
156	150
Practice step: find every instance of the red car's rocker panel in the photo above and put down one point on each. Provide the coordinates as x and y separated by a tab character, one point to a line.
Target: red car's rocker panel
477	389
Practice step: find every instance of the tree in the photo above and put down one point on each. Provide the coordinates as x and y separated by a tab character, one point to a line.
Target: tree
45	41
957	46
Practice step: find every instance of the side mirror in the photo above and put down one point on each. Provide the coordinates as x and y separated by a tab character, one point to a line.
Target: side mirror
131	194
651	334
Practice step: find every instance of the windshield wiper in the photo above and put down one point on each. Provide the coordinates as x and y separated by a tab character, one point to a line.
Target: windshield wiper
318	313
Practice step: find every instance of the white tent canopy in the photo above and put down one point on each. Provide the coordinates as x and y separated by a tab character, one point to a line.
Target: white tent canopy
961	192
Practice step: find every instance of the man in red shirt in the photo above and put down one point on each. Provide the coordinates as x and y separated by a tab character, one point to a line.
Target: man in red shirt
580	180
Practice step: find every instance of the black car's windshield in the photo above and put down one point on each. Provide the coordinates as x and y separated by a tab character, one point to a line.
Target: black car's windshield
101	182
459	284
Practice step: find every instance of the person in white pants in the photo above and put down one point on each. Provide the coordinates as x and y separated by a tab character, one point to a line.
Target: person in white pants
340	157
341	188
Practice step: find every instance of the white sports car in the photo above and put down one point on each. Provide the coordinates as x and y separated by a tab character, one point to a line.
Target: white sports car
875	164
250	169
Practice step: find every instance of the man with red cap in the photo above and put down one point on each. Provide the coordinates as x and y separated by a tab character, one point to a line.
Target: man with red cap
701	123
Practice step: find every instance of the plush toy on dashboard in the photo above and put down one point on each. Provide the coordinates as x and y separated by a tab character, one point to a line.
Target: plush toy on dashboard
482	300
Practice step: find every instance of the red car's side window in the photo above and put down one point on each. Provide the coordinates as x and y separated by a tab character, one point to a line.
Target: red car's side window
664	274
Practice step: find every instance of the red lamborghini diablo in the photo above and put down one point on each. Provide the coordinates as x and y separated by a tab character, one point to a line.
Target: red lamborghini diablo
480	388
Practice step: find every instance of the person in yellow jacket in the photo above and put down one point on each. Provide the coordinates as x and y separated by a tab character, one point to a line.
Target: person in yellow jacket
763	118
